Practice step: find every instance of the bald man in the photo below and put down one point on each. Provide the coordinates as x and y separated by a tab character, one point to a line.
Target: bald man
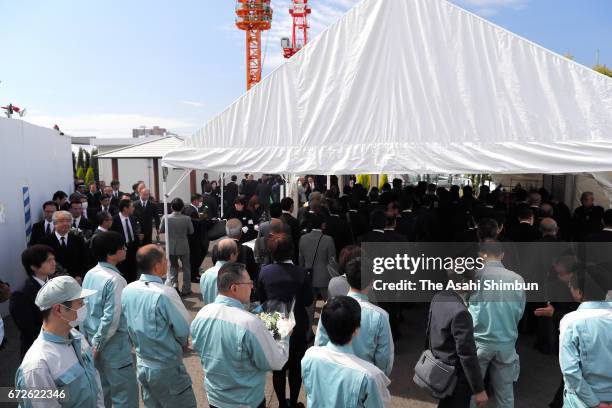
226	251
158	325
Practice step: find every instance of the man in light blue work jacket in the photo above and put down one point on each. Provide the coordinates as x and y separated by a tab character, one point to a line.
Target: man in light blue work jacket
585	348
60	360
158	325
496	315
334	377
374	342
105	327
227	251
235	348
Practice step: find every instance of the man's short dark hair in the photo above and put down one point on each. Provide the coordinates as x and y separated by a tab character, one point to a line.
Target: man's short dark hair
390	220
53	203
280	247
352	270
195	197
177	204
35	256
487	229
72	202
315	221
105	244
103	216
286	204
105	197
378	219
341	316
275	210
147	258
229	274
134	186
59	195
234	178
524	212
123	204
114	183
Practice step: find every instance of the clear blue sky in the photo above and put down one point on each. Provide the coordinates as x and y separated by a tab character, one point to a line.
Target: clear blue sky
102	68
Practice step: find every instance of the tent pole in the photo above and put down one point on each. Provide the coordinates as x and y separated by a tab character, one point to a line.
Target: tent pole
222	188
166	235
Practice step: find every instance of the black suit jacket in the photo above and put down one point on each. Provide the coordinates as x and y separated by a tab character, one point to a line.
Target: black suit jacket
93	199
146	216
38	232
338	227
524	232
230	193
246	257
452	336
210	203
75	258
27	316
118	227
85	224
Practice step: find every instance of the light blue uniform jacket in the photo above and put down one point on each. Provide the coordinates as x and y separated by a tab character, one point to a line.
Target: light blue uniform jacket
236	352
497	313
585	354
157	321
63	364
374	343
208	283
336	378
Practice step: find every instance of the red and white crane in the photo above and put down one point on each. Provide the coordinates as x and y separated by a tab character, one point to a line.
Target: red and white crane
299	36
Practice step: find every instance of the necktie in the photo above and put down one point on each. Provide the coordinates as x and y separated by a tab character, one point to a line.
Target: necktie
63	239
74	224
128	231
48	229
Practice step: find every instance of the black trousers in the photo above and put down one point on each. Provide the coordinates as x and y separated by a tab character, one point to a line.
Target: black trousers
262	405
461	396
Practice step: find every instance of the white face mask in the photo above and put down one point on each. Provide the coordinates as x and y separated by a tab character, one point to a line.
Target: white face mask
81	315
84	205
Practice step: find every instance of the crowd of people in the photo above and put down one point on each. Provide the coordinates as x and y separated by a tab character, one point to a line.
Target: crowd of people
92	264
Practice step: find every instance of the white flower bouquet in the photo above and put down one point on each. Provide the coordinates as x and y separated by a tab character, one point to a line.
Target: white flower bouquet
277	316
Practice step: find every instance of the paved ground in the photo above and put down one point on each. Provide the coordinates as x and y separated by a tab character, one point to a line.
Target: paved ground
537	384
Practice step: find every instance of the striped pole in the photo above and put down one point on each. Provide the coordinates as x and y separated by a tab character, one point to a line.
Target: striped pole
27	212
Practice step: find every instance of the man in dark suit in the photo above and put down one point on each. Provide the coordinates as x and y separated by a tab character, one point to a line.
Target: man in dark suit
116	193
378	220
359	223
44	226
126	224
264	193
71	252
204	182
78	220
587	218
524	231
105	205
61	199
390	230
93	196
230	194
198	241
233	228
311	186
209	203
146	214
250	185
451	338
287	217
605	235
338	227
39	263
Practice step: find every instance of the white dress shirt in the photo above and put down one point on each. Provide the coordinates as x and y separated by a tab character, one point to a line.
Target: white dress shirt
125	232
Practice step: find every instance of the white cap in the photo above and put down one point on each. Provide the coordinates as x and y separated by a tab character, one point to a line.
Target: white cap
59	290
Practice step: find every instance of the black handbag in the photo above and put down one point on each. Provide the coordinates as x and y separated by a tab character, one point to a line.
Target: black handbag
433	374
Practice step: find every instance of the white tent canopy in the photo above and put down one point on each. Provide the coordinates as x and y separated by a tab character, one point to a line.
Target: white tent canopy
413	86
